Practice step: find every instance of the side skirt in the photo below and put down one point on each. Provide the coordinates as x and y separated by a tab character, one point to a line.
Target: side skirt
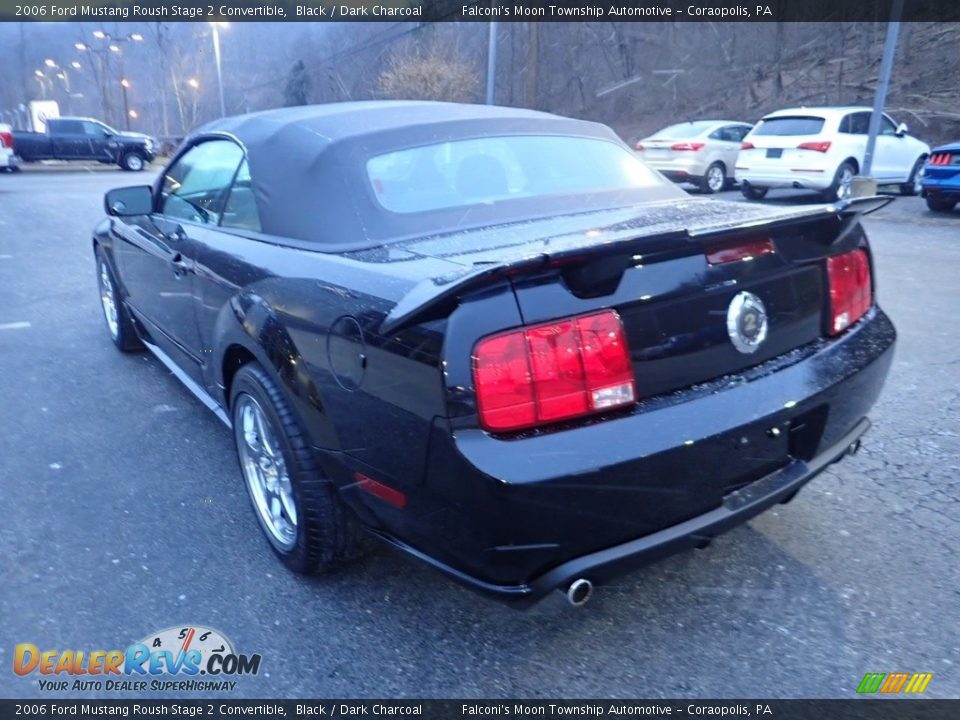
201	394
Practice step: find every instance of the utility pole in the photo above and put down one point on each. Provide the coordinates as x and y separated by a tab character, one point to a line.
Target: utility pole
492	65
883	84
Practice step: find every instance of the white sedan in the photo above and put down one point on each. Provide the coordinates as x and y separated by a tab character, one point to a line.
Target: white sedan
822	149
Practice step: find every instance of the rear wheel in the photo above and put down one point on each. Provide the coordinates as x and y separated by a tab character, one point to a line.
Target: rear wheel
298	509
119	323
913	185
132	161
752	192
939	204
714	180
842	183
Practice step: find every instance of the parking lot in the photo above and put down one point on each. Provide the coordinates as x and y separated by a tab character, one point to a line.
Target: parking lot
126	514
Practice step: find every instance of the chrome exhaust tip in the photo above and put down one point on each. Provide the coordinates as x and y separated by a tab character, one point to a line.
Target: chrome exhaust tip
579	592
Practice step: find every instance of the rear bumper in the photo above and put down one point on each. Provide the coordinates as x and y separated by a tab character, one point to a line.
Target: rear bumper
683	169
941	187
604	565
8	159
518	518
786	178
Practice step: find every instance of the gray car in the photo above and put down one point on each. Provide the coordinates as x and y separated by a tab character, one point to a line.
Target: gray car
702	152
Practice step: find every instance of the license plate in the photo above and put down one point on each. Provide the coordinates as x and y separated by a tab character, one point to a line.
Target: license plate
774	152
657	152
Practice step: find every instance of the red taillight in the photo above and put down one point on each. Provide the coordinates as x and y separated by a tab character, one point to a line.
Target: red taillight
850	292
941	158
747	146
6	139
639	146
687	146
817	146
554	371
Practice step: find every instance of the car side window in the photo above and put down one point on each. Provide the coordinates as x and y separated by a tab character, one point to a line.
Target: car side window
92	129
737	132
859	123
195	187
240	211
886	126
68	127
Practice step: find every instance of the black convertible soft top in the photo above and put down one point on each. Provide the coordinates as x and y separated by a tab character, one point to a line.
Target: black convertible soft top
307	166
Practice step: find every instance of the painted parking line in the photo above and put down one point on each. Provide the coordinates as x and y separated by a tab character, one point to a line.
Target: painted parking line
14	326
6	257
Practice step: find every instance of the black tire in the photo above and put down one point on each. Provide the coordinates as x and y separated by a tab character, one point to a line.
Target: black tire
833	193
327	535
939	204
122	332
714	180
910	187
752	192
133	161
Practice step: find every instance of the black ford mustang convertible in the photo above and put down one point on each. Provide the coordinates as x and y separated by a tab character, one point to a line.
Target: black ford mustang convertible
493	337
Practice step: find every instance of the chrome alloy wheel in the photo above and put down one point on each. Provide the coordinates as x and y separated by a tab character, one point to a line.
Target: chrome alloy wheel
845	184
716	178
265	472
108	300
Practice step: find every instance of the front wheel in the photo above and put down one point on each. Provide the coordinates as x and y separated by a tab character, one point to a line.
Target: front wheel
119	323
913	185
132	161
715	179
752	192
298	508
938	204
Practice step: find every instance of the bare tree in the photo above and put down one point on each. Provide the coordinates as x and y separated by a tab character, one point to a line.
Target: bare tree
430	72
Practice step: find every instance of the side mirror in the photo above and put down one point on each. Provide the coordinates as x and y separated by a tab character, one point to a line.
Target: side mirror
129	201
902	129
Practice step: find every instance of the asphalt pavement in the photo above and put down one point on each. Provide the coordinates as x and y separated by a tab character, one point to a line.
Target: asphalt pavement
124	513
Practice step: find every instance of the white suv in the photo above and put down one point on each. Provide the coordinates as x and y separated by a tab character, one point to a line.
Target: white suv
822	149
8	161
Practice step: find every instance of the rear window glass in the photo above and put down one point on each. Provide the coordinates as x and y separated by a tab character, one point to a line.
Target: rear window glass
790	125
682	131
494	169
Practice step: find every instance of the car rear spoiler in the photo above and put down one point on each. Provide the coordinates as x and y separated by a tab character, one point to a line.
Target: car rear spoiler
434	294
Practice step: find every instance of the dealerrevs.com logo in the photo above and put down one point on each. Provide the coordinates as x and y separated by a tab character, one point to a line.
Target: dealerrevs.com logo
173	659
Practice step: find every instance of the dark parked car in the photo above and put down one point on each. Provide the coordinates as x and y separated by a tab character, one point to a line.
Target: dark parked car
70	138
493	337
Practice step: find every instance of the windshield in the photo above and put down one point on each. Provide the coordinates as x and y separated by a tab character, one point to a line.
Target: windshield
490	170
790	125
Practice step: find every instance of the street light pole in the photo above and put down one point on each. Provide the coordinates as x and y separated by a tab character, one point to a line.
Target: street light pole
216	55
